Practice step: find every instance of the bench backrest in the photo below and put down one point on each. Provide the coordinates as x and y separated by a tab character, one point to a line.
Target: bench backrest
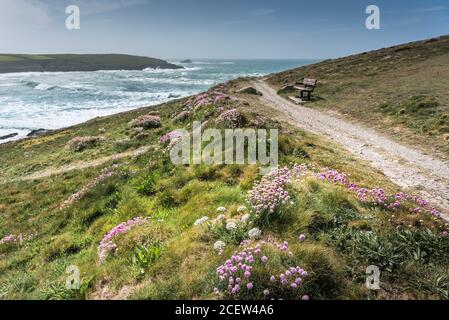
309	82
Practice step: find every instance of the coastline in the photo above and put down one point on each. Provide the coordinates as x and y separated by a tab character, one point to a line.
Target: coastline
144	88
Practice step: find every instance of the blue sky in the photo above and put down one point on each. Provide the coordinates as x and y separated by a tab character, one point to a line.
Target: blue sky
217	28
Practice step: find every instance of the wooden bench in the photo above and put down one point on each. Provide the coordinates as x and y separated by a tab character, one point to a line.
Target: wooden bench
306	86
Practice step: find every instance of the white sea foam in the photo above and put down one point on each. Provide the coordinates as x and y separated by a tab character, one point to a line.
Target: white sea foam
152	70
51	100
44	86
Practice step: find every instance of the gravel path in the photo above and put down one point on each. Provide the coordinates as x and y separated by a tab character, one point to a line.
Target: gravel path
409	168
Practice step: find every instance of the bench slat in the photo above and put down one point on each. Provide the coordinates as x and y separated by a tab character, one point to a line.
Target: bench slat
309	82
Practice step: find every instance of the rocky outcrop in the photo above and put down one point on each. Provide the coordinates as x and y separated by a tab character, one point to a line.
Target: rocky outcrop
250	90
8	136
37	132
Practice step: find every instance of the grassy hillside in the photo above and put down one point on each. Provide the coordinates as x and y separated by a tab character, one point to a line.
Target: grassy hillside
316	244
78	62
402	90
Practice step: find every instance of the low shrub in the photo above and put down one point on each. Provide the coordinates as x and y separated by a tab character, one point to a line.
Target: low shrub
145	255
78	144
145	184
146	122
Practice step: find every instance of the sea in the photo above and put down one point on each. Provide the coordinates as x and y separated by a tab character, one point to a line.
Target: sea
53	100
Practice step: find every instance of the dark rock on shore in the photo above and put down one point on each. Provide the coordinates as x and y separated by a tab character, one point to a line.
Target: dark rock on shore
11	135
37	132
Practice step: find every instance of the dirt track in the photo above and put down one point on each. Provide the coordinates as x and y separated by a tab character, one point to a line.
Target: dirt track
407	167
80	165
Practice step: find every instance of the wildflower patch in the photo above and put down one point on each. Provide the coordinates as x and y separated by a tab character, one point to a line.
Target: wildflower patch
248	274
108	245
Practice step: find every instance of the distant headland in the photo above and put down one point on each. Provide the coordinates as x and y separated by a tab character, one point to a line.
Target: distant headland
78	62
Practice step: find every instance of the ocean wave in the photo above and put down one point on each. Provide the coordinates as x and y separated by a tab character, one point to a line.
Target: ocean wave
38	85
202	62
185	69
29	83
44	87
54	100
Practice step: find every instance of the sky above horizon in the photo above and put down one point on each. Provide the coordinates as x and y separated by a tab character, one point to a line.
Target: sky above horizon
231	29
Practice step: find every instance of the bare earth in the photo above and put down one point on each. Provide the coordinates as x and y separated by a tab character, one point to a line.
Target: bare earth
407	167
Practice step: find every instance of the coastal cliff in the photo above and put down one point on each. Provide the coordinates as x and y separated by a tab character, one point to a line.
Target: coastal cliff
78	62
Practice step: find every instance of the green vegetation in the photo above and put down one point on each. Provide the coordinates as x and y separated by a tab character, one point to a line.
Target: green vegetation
78	62
63	216
400	90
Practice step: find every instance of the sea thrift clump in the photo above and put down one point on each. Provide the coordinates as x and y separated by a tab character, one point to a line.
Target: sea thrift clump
207	98
221	209
202	100
378	196
220	98
259	121
182	115
254	233
220	217
231	118
200	221
146	121
269	193
169	137
107	244
219	246
245	218
302	237
16	239
240	274
299	170
333	176
80	143
241	209
105	174
231	225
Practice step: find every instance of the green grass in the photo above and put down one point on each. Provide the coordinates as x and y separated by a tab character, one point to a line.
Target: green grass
169	257
9	58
